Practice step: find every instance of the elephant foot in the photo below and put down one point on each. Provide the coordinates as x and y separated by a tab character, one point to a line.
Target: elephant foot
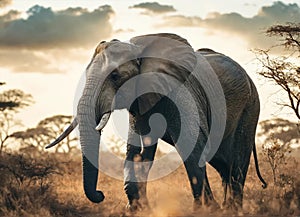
138	204
134	205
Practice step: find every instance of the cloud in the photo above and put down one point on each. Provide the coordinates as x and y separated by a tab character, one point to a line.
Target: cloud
6	18
51	61
181	21
250	4
5	3
128	30
252	29
26	61
45	40
45	28
154	7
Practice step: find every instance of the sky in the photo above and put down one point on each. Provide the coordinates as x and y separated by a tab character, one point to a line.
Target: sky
45	46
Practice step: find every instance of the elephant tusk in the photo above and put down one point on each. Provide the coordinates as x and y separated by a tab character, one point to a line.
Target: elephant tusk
64	134
103	121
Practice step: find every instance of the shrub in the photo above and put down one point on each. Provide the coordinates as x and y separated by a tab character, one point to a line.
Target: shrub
26	186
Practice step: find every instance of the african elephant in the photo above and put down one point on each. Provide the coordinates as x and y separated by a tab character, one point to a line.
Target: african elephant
158	78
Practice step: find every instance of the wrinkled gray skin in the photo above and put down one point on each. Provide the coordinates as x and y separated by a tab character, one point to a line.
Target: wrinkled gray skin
233	156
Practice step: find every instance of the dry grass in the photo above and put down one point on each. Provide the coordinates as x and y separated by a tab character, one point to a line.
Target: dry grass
62	193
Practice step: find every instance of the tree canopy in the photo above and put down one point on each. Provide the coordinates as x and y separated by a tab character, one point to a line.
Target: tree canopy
284	70
11	102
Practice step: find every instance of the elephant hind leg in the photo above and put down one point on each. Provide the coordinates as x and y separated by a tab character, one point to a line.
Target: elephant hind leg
208	195
244	141
222	162
196	177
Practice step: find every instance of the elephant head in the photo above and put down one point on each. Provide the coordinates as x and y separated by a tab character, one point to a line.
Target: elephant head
111	64
114	64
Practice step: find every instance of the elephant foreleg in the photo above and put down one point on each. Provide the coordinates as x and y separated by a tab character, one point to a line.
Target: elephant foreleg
130	179
147	156
136	169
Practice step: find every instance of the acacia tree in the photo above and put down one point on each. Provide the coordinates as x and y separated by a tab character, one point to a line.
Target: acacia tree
45	132
32	140
284	70
11	102
6	104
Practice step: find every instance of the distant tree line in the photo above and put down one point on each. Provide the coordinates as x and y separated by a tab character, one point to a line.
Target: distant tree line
31	140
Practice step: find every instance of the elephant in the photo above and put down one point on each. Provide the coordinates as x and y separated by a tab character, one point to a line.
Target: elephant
157	78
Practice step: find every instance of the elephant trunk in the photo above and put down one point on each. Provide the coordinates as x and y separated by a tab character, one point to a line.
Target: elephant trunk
90	176
89	141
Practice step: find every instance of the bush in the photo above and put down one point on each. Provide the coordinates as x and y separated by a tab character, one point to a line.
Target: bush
281	197
26	186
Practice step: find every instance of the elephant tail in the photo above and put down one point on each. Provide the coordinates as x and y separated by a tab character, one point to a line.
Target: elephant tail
257	168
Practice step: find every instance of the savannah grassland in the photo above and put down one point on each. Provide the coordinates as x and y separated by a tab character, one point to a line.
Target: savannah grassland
51	185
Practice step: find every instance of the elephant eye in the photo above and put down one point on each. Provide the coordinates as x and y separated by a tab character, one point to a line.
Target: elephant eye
115	76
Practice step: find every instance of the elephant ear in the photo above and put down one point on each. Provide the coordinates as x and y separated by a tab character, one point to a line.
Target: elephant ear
166	62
